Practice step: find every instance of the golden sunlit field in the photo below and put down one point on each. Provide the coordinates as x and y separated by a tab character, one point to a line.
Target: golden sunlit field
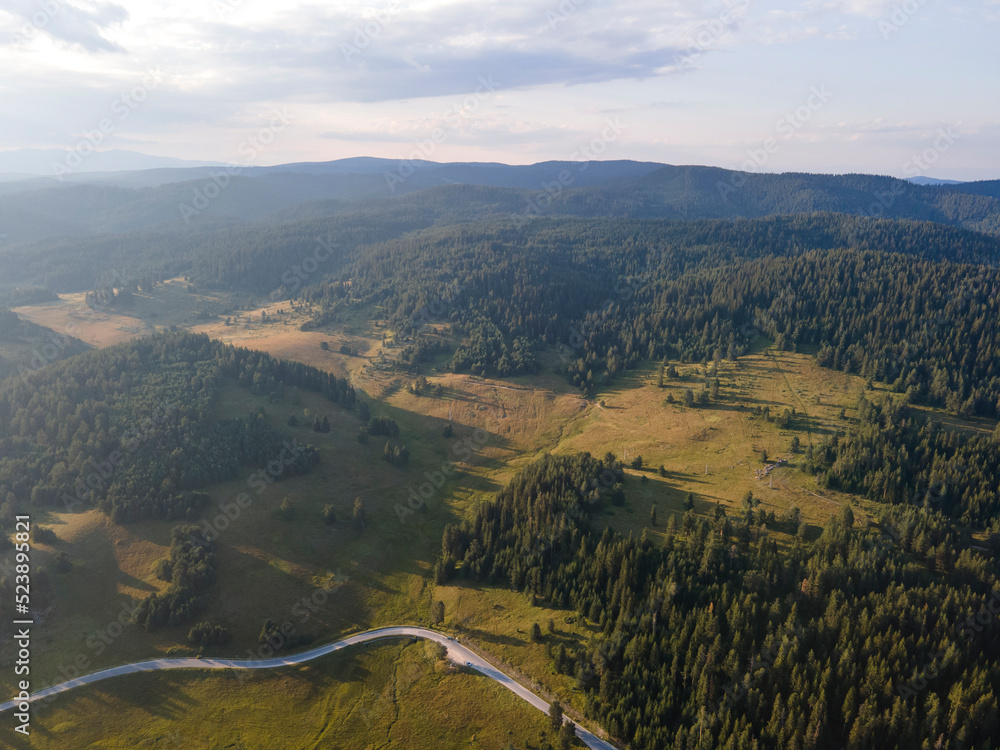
329	580
380	696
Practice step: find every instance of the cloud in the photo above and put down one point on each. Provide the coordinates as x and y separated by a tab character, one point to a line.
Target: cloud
690	76
79	24
336	55
867	8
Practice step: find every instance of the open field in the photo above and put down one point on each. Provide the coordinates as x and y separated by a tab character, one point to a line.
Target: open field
499	621
253	323
381	696
268	567
712	451
716	451
330	580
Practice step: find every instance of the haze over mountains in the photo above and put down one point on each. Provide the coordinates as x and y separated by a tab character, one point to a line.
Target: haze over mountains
41	162
114	202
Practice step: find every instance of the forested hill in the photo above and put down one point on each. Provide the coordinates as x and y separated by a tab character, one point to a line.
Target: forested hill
720	638
234	230
879	298
152	199
707	192
140	201
132	429
251	258
243	231
25	346
989	188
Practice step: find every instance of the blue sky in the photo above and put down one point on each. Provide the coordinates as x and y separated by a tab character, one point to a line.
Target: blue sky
880	86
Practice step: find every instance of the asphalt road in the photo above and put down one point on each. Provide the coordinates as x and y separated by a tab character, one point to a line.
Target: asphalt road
456	652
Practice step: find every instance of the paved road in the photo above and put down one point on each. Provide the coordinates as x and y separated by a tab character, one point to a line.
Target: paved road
456	652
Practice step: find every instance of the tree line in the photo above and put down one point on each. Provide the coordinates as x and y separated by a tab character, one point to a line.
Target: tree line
719	637
132	429
883	299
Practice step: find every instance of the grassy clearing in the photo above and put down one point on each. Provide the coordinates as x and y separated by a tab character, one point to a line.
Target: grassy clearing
271	567
241	320
716	451
385	695
169	304
499	622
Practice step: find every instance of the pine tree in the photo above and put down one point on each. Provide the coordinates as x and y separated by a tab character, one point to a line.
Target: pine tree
556	715
567	735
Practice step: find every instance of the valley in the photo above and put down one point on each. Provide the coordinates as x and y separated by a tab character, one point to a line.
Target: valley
716	421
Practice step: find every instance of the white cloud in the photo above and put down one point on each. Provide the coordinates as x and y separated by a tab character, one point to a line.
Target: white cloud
74	24
724	68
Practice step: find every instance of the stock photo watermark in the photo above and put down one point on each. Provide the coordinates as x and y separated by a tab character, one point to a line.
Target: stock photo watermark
565	179
453	117
899	17
462	452
58	342
434	310
224	7
104	470
36	23
365	34
563	12
918	164
295	277
785	127
122	108
249	148
258	481
709	33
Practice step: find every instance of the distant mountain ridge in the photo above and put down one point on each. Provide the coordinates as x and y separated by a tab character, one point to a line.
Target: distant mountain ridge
38	162
171	199
933	181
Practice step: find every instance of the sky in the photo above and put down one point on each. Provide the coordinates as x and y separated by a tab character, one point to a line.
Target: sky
894	87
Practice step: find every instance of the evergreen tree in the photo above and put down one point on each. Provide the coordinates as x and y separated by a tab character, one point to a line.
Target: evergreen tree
556	715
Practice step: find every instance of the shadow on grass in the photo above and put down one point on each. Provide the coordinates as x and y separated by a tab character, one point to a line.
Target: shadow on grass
503	640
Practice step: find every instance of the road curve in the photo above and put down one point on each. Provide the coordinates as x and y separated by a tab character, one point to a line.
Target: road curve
456	652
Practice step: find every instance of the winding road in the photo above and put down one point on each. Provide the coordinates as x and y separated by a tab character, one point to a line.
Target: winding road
456	652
